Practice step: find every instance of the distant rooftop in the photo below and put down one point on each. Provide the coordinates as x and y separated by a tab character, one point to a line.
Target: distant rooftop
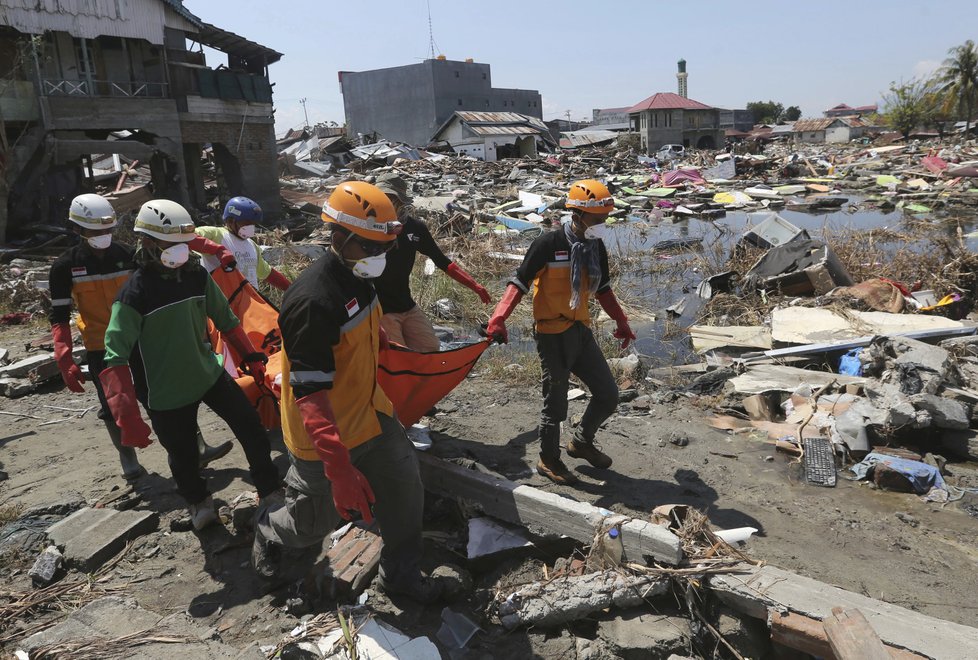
668	101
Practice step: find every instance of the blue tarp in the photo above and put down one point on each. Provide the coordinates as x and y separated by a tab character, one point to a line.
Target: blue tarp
922	476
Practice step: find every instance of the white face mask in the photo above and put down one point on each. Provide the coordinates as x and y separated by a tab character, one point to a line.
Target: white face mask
100	242
370	267
597	232
246	231
175	255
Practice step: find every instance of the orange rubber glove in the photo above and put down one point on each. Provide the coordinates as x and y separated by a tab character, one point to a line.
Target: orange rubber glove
497	322
610	305
71	373
120	394
351	490
463	278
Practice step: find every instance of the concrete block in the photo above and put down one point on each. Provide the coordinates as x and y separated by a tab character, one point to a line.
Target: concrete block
90	537
69	502
641	635
946	413
46	566
13	388
113	617
353	561
963	444
23	368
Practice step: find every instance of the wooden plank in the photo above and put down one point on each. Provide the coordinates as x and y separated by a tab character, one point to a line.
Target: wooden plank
807	635
851	637
766	588
545	513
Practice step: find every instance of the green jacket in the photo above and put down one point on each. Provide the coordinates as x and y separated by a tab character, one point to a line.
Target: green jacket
159	328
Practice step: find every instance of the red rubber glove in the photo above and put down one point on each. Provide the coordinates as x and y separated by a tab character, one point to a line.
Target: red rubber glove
120	394
278	280
351	490
207	246
465	279
71	373
610	305
382	341
253	361
497	322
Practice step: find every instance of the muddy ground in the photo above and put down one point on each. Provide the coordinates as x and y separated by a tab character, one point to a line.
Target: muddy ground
850	536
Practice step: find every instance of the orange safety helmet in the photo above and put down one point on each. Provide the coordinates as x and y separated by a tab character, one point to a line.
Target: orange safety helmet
590	196
364	209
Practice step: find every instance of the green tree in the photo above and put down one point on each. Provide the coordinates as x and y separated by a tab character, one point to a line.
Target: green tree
958	77
907	106
765	112
791	113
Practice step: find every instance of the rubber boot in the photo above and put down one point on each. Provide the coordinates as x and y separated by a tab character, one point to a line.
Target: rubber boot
131	469
207	453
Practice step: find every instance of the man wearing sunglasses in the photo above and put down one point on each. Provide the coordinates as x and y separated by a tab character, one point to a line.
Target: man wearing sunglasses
156	341
349	455
403	320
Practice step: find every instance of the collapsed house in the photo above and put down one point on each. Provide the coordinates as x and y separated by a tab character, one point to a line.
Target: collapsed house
84	79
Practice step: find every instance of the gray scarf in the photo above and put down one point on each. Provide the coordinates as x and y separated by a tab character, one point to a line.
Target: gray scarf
585	258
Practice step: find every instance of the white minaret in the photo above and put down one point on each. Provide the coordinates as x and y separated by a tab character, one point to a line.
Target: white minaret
681	79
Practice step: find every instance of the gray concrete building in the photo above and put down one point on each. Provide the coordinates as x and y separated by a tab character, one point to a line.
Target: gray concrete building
86	78
667	118
409	103
736	120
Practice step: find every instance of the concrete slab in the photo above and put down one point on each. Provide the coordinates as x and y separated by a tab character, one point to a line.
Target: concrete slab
113	617
90	537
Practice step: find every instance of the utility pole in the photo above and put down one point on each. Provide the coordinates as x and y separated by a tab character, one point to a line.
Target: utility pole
303	102
567	114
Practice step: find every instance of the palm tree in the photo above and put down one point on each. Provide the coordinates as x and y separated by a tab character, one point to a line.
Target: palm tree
958	77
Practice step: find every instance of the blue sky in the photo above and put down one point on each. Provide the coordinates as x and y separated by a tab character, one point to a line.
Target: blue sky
584	55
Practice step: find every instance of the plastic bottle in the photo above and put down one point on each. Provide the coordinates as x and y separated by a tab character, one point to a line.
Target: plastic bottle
613	547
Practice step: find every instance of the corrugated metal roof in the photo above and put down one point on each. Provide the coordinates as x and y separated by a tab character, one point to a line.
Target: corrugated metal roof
491	117
813	125
233	44
504	130
668	101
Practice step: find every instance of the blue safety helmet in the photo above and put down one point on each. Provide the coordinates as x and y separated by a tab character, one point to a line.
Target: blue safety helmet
242	209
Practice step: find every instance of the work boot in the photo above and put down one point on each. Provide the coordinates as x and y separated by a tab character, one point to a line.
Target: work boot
555	470
202	514
266	556
578	447
424	590
131	469
207	453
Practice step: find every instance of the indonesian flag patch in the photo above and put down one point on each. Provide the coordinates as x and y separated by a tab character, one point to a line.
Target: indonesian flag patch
79	271
561	255
352	307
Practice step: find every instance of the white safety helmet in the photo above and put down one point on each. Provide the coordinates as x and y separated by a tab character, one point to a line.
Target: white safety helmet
164	220
92	211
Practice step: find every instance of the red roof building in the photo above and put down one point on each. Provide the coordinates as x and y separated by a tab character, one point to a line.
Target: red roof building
667	118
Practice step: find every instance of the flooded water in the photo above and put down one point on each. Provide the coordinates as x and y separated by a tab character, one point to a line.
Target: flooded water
662	278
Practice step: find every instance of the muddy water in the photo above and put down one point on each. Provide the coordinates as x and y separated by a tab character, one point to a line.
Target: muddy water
662	278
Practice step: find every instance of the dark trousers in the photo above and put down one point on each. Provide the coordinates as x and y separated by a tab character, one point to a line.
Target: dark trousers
177	431
96	363
390	463
573	351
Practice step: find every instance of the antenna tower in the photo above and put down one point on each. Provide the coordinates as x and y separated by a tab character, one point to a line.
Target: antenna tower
432	46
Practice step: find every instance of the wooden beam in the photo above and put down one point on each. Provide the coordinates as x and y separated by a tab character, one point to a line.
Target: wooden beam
807	635
851	637
546	513
762	589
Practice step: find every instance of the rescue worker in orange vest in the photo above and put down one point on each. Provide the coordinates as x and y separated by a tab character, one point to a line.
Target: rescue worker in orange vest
89	276
566	267
349	455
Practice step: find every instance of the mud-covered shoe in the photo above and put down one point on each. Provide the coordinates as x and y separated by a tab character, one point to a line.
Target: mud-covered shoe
424	591
589	451
556	471
210	453
202	514
266	557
